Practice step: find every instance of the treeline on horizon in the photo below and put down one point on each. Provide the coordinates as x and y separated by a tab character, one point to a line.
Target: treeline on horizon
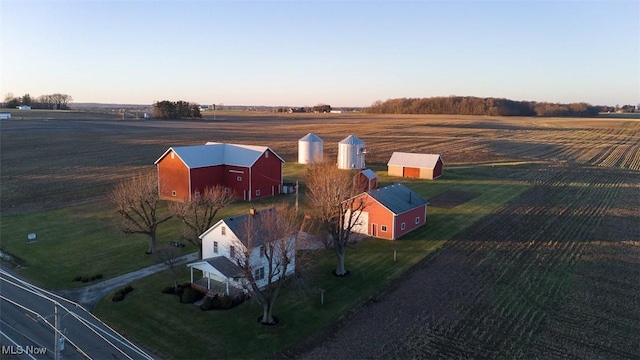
468	105
49	102
176	110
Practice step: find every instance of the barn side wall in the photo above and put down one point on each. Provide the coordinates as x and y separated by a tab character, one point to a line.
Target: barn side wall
409	218
266	176
206	177
426	173
173	175
437	171
380	216
236	178
395	170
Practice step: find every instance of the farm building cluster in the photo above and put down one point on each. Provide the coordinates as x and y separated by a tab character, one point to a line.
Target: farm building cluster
253	172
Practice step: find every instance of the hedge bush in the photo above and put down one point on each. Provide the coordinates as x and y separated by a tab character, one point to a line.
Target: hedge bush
221	302
189	296
120	294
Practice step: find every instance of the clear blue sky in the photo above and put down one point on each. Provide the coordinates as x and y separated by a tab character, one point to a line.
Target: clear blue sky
342	53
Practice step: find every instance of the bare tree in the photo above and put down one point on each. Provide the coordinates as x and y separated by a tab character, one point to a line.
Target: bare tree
198	214
268	254
168	256
331	199
137	203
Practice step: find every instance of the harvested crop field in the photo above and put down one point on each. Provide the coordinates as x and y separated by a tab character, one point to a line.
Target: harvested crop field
554	273
51	159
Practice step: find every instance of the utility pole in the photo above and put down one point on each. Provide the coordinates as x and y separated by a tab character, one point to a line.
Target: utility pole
57	332
296	197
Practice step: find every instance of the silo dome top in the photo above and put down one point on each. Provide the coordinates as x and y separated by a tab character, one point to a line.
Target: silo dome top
351	140
311	137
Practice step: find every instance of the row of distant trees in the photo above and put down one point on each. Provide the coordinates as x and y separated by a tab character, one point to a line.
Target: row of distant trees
176	110
321	108
52	102
466	105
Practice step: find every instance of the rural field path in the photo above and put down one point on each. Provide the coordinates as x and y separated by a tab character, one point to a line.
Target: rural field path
89	296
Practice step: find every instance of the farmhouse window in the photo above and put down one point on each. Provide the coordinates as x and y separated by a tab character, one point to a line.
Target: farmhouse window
223	230
215	247
173	155
417	219
257	192
259	273
173	193
266	154
232	252
403	226
239	178
262	251
197	195
383	228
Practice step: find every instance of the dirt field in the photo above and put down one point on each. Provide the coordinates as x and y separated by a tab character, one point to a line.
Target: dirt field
50	160
553	274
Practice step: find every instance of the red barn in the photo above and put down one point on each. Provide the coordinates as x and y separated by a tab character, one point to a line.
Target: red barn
251	172
391	212
414	165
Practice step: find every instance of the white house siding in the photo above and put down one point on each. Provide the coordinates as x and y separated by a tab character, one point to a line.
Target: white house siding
230	239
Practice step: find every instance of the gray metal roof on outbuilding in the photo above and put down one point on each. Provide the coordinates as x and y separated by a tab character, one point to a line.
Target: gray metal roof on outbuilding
370	174
398	198
415	160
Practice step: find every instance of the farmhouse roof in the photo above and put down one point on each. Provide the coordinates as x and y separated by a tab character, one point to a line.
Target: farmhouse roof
240	225
415	160
398	198
213	153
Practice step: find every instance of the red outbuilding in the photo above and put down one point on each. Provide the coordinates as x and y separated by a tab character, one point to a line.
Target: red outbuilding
391	212
366	180
250	172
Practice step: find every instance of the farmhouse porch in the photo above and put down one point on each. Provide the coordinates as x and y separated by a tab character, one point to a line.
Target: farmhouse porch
219	275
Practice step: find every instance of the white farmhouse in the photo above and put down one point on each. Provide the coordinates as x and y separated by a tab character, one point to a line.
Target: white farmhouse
223	247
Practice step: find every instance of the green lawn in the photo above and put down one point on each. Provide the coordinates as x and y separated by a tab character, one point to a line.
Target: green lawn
76	241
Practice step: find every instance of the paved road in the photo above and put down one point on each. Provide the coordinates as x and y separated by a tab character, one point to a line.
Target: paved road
28	316
28	319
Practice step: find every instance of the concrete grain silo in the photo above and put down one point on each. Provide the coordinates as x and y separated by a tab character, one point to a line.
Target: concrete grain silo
351	151
310	149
